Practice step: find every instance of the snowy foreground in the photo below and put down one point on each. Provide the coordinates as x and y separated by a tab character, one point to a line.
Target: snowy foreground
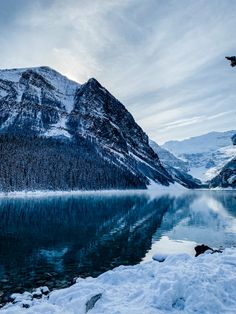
180	284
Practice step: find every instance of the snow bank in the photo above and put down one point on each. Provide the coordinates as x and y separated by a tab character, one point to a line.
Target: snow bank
206	284
152	189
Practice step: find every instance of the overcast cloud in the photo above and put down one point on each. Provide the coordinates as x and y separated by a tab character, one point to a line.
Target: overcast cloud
163	59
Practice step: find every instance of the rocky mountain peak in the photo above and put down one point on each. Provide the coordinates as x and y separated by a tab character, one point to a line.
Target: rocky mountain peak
43	103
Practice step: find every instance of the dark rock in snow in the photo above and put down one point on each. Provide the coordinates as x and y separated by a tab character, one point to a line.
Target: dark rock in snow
91	302
37	294
25	305
233	138
200	249
45	290
73	281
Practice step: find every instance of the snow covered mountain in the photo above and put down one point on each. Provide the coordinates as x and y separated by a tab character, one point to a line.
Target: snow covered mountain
175	166
205	154
58	134
167	158
227	175
233	138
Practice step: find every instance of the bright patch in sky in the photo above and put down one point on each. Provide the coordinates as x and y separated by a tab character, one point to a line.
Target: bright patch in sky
163	59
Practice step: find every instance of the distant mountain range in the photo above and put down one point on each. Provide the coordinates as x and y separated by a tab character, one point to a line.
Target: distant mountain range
57	134
204	155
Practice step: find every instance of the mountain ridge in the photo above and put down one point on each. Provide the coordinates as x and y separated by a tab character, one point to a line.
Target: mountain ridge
205	154
39	107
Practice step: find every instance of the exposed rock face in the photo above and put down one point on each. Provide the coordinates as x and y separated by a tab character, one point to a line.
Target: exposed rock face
167	158
58	134
176	167
233	138
227	176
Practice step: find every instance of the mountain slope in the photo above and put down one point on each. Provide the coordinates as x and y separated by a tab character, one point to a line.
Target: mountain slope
57	134
233	138
227	175
175	166
205	154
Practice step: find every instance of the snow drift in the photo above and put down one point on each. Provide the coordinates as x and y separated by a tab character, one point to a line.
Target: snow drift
206	284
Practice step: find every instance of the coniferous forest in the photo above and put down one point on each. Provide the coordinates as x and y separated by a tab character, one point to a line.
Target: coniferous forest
33	162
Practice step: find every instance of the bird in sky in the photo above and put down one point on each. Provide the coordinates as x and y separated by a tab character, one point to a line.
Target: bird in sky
233	60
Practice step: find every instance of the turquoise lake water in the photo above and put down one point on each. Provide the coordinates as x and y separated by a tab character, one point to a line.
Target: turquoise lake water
50	240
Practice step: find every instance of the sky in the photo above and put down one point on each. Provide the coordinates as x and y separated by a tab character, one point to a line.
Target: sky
163	59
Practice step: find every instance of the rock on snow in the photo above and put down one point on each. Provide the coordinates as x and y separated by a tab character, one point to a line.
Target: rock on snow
181	284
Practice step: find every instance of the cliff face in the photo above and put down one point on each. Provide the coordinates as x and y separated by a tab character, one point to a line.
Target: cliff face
176	167
233	138
226	177
58	134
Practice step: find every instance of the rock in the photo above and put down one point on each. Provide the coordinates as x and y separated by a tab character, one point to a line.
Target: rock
73	281
26	305
45	290
226	177
233	138
37	294
91	302
7	297
200	249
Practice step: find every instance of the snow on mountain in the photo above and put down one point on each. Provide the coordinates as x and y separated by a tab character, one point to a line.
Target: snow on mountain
168	158
42	89
205	154
233	138
39	105
175	166
226	178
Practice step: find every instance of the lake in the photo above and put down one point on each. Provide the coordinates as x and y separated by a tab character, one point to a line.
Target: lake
50	240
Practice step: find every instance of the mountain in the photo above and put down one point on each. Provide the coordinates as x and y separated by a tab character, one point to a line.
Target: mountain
175	166
60	135
167	158
227	175
205	154
233	138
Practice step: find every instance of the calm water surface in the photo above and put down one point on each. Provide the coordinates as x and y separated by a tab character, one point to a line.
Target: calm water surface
48	241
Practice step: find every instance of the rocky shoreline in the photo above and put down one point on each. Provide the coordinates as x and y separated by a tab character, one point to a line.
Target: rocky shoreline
202	284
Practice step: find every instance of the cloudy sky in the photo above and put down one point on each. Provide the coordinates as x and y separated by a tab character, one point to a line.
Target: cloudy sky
164	59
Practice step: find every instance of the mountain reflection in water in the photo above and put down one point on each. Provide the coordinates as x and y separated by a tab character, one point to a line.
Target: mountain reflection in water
48	241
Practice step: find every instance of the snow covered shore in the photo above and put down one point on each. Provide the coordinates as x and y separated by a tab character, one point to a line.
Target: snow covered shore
180	284
153	188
